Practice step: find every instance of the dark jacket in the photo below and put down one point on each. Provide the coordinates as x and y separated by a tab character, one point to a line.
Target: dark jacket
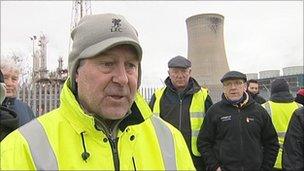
300	99
24	112
9	121
259	99
237	138
293	153
172	102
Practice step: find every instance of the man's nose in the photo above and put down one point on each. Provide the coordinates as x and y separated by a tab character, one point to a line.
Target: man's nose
180	74
120	75
8	81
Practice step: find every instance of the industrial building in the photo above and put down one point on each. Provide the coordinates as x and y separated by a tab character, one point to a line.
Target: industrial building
294	75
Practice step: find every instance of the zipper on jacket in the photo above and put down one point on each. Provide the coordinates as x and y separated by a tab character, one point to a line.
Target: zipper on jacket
241	130
180	113
113	143
134	165
111	133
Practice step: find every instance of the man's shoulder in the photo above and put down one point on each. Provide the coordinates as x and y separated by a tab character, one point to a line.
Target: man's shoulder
164	124
216	107
12	141
54	115
258	110
19	102
259	99
299	112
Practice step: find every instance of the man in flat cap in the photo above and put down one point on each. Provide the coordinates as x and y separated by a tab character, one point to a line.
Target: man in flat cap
102	122
183	103
237	133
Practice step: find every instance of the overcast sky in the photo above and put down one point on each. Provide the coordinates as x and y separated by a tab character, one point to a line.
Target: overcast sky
258	35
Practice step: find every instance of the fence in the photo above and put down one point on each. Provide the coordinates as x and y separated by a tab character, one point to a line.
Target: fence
44	97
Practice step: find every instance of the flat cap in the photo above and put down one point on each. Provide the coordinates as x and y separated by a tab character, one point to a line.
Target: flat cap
234	75
179	62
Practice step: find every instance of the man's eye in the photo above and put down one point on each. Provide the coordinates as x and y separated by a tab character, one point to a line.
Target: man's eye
131	65
107	64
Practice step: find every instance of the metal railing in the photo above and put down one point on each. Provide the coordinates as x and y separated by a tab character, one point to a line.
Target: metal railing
44	97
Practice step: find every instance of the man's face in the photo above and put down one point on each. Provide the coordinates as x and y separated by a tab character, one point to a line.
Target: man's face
11	80
179	77
107	83
234	89
253	88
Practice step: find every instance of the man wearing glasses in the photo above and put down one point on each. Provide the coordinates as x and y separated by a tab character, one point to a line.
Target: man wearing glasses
237	133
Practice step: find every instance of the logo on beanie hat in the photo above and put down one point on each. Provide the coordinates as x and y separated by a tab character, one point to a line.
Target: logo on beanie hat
116	25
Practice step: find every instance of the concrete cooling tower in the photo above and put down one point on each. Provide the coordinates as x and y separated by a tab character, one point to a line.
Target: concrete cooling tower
206	51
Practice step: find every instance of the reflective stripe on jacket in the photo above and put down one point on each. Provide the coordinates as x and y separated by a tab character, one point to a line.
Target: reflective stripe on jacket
280	114
54	142
197	113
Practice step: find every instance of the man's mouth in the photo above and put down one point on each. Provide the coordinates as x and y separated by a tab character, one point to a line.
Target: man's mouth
233	93
116	97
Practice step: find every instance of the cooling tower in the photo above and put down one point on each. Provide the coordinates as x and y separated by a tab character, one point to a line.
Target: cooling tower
206	51
293	70
252	76
269	74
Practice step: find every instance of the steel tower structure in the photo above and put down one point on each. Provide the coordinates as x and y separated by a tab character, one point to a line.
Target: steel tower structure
80	8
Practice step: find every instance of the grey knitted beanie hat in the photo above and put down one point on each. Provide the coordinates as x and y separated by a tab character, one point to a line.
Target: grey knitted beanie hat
279	85
98	33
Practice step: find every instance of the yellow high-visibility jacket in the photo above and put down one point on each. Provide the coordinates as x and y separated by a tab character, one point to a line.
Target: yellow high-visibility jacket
280	114
59	140
197	113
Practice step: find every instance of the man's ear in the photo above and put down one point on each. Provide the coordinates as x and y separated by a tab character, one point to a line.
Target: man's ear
245	86
80	64
77	74
76	77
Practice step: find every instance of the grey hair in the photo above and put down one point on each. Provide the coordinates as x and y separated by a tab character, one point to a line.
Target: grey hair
10	64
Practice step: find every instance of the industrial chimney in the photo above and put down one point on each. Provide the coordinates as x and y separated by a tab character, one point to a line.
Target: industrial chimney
206	51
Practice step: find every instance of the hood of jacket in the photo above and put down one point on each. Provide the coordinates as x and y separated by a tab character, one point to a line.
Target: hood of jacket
82	121
282	97
8	118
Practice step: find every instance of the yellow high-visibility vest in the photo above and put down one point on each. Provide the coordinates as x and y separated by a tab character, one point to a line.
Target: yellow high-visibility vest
197	113
280	114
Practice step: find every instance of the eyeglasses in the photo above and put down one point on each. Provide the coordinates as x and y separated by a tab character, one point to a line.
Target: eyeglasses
235	83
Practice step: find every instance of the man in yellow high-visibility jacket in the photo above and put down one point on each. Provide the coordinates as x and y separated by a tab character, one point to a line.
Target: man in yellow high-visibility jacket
183	103
102	122
280	107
